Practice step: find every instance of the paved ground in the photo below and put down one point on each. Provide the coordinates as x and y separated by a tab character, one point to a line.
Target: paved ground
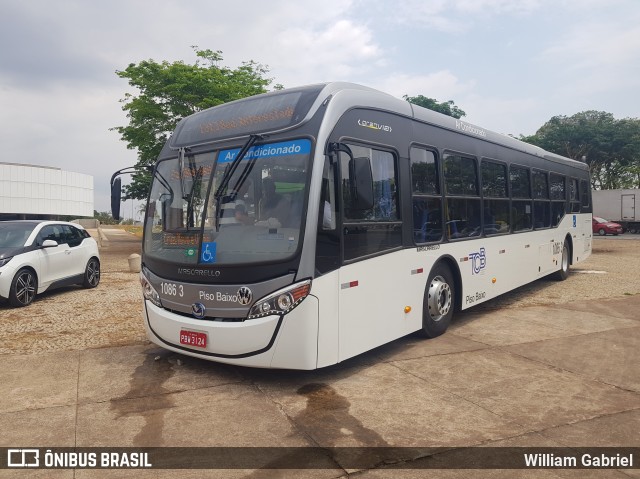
556	375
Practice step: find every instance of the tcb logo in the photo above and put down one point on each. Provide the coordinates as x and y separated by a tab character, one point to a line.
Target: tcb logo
478	261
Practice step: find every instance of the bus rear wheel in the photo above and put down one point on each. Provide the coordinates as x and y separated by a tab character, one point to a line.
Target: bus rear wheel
563	272
438	304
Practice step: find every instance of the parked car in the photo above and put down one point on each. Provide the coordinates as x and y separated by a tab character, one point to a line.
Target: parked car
38	255
603	227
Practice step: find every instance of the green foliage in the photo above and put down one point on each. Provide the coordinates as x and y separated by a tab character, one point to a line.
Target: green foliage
446	107
104	218
610	147
167	92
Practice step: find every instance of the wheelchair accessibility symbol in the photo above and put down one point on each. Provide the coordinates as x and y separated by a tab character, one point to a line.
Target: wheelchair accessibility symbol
208	254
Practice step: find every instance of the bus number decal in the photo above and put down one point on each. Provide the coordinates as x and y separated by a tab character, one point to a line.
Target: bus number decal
172	289
557	248
428	248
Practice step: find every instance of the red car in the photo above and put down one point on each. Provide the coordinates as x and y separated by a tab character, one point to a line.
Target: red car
603	227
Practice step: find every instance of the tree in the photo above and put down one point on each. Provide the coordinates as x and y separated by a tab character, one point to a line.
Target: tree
447	107
167	92
104	218
610	147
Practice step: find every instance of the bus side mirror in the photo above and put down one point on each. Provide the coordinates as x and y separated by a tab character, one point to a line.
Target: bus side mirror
116	197
361	183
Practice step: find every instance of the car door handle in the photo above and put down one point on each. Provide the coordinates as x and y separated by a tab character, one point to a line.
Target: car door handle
67	251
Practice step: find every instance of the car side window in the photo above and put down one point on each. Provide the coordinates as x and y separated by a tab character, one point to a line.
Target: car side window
72	235
51	232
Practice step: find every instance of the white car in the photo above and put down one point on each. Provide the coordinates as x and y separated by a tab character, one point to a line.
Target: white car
38	255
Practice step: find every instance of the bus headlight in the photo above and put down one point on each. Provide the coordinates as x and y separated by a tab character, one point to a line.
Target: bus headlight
149	292
282	301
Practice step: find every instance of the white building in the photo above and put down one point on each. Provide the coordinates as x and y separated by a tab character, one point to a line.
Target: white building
42	192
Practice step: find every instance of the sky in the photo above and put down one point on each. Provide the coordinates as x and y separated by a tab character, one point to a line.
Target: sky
511	65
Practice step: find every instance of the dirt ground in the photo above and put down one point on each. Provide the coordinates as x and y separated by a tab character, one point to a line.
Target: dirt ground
111	314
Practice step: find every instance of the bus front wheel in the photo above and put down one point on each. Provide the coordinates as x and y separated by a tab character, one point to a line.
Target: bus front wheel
439	299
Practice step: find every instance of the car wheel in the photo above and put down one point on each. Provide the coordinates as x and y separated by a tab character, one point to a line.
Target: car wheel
23	288
92	274
563	273
439	301
602	232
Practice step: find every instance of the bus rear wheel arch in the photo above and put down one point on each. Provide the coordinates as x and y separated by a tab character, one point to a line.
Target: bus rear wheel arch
439	301
565	261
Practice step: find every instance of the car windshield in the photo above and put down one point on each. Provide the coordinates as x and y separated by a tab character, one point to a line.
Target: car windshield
599	220
14	235
257	217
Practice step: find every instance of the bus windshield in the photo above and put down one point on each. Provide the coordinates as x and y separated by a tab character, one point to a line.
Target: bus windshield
257	217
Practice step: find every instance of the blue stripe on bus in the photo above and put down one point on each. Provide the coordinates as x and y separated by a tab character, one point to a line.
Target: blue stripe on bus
295	147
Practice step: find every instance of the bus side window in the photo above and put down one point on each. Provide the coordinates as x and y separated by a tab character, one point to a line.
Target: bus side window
496	217
541	203
371	231
584	196
558	198
328	198
328	239
521	210
463	213
574	194
426	199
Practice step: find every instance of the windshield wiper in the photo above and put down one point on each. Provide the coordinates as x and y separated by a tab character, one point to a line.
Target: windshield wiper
226	177
234	165
196	182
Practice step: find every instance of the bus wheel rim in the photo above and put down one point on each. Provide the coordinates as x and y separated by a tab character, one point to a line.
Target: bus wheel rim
440	298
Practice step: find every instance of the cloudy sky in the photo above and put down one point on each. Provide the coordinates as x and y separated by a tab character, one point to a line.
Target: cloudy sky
509	64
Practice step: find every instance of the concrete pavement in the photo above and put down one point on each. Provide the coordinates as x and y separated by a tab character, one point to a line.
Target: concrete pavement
561	375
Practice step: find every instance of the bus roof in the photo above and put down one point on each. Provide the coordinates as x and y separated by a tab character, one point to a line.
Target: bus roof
284	109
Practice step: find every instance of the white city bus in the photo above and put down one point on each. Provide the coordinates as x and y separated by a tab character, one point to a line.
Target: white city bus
299	228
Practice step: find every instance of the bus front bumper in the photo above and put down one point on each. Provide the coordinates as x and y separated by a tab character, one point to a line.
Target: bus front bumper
271	342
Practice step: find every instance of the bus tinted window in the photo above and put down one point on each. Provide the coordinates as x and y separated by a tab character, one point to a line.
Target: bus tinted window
494	179
460	175
463	216
495	213
557	187
574	195
540	185
520	184
584	194
541	214
383	169
496	216
541	204
424	172
426	205
371	231
521	215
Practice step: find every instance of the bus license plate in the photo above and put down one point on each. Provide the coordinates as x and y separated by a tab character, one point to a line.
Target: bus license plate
193	338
